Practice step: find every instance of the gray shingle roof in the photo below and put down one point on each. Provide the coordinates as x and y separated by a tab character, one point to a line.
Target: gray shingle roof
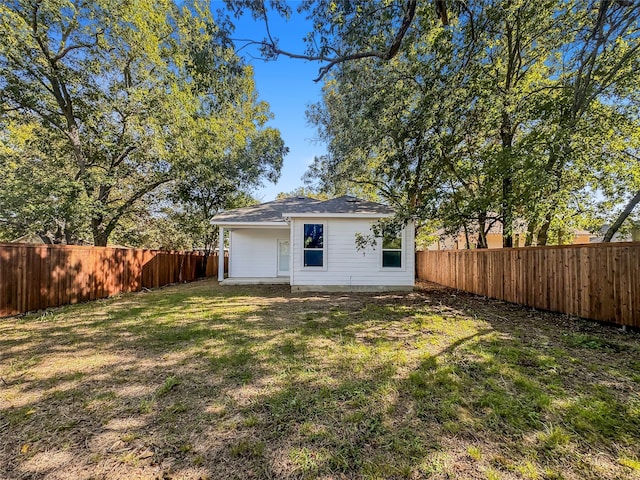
273	211
264	212
344	204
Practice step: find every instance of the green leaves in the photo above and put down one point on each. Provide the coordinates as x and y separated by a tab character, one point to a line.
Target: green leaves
135	95
516	113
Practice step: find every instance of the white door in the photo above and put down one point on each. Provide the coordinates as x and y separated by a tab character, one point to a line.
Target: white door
283	258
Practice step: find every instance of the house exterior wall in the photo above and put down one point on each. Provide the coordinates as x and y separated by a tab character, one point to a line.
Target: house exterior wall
343	264
581	238
253	252
494	240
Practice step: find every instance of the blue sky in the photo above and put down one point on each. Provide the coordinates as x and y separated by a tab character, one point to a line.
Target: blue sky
288	86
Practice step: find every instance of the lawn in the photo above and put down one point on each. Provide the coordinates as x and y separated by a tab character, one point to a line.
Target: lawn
200	381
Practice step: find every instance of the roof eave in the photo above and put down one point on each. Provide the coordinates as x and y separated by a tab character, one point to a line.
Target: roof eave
239	224
337	215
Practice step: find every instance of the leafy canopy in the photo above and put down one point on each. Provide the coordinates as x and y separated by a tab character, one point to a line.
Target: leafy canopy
126	97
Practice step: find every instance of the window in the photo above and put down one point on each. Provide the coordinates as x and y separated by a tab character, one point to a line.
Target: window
392	250
313	245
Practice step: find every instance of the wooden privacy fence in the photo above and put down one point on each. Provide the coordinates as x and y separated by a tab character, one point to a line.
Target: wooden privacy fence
33	277
596	281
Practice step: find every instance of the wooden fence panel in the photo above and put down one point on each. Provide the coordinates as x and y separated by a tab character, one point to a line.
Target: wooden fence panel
33	277
596	281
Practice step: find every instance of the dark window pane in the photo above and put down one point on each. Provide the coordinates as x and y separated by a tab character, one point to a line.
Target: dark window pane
392	242
313	235
392	259
313	258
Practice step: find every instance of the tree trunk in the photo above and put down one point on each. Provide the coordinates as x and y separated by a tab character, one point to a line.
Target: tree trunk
100	235
100	239
69	237
76	145
202	267
543	234
531	230
622	217
506	134
482	236
507	213
528	241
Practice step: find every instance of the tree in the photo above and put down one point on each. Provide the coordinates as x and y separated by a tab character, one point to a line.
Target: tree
597	72
221	182
38	193
531	83
611	231
426	133
136	91
303	192
344	31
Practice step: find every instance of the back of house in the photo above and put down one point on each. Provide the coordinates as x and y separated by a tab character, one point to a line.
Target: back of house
311	245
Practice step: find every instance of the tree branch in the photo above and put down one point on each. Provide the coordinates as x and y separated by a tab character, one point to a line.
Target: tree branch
124	154
135	197
622	217
60	55
270	45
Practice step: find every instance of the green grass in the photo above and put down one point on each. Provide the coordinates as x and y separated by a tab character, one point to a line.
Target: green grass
197	381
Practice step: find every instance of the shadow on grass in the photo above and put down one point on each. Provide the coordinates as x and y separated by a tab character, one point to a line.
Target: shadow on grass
198	381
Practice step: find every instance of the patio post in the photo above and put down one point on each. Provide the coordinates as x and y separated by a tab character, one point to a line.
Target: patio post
221	254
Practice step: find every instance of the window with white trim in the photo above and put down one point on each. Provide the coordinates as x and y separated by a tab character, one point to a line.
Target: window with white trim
392	250
313	245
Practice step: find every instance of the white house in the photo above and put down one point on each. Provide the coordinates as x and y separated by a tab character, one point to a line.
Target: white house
311	245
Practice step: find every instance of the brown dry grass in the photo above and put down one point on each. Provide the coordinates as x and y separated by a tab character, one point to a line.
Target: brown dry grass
198	381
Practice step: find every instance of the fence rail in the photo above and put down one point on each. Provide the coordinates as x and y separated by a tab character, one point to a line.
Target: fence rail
597	281
34	277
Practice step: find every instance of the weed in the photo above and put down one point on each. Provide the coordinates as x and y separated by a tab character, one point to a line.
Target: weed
251	421
599	415
632	463
554	437
305	459
129	458
344	457
177	407
528	470
240	376
582	340
550	474
146	405
247	448
129	437
435	464
169	384
474	452
18	366
493	475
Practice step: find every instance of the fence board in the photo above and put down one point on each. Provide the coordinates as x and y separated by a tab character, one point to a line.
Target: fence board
597	281
33	277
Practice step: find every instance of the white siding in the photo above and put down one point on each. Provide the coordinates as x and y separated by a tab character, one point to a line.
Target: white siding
346	266
254	251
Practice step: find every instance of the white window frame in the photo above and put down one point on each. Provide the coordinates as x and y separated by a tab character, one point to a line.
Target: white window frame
324	245
403	248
